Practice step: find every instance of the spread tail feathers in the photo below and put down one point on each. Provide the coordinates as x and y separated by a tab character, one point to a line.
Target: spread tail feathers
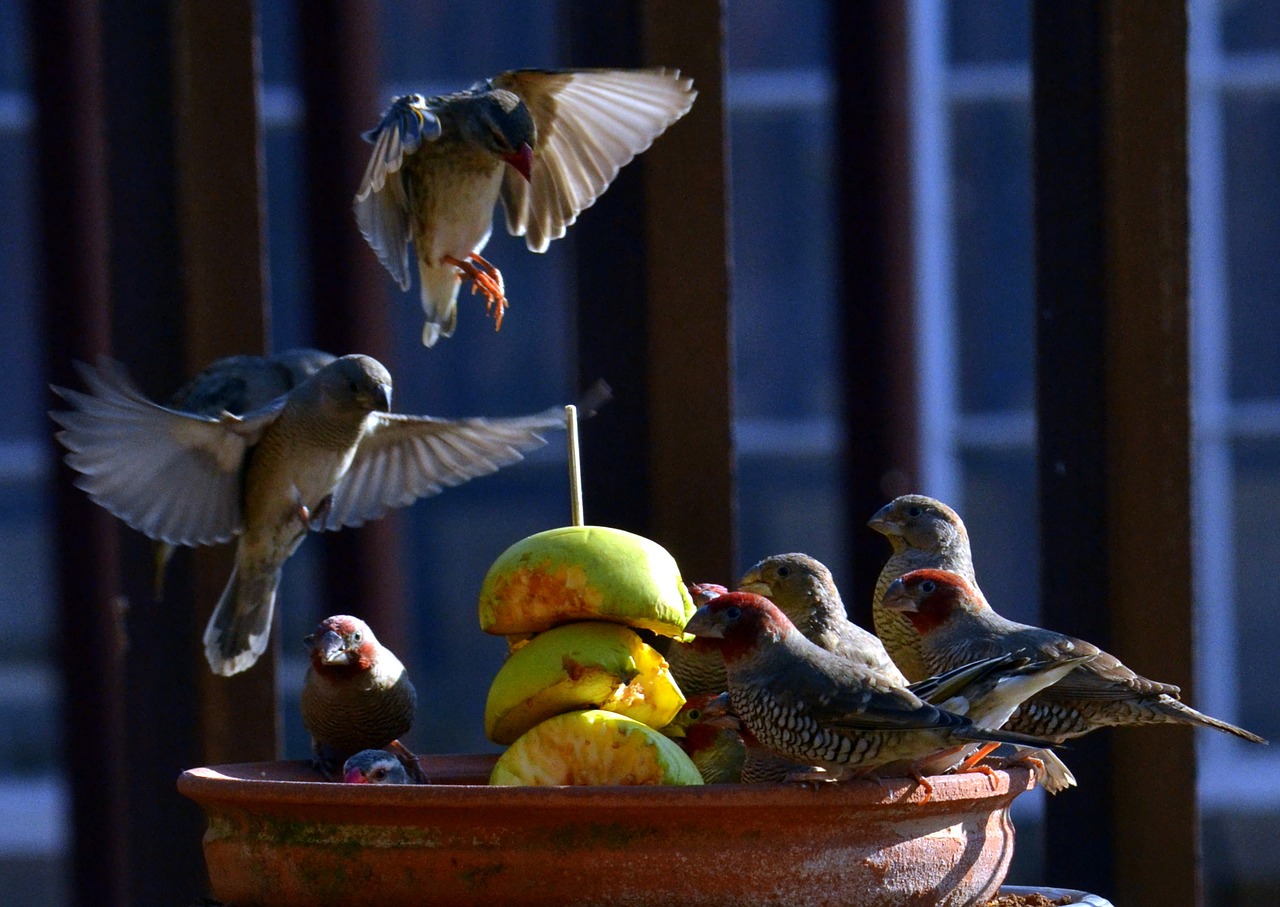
240	626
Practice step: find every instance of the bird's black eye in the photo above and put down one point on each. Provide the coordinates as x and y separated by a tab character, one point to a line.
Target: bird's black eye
694	714
784	570
355	637
915	510
733	612
928	586
378	773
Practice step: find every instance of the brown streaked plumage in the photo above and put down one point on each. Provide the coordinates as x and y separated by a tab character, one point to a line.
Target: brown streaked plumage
923	533
956	624
812	706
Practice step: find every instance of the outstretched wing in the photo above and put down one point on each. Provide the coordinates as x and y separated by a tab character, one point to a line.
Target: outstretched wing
590	124
171	475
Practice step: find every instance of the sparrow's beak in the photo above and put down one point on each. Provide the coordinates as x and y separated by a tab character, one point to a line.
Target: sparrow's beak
752	583
896	597
882	523
382	397
521	160
354	776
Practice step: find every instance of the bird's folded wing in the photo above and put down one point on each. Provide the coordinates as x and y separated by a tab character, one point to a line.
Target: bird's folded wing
403	458
1103	678
173	476
590	124
382	204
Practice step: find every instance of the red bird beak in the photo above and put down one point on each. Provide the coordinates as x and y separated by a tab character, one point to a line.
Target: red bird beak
521	160
355	776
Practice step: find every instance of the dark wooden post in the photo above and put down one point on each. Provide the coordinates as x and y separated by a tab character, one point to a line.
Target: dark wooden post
1111	296
71	154
653	305
873	192
339	82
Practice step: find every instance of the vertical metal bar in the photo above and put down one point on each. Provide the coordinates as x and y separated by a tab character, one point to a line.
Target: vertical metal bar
873	167
659	459
339	81
690	363
71	156
1111	246
222	228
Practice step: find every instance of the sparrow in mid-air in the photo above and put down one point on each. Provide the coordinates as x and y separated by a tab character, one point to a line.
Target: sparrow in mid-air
545	142
327	454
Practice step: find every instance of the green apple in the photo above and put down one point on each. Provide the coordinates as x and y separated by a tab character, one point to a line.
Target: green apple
582	665
578	573
593	747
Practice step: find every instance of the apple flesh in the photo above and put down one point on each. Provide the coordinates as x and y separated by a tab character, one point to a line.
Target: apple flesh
593	747
583	665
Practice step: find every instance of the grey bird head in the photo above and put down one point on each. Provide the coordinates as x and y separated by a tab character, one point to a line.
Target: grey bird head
922	522
374	767
355	382
500	122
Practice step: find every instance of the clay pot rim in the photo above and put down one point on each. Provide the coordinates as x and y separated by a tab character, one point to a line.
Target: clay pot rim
260	783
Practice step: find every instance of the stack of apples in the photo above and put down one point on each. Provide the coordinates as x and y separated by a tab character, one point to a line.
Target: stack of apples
582	697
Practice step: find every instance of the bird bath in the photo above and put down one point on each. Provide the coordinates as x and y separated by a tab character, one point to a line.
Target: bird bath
278	837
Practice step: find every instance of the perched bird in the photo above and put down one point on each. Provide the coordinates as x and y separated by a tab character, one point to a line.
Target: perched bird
697	668
956	624
716	749
356	696
236	385
374	767
812	706
923	533
325	455
547	143
803	588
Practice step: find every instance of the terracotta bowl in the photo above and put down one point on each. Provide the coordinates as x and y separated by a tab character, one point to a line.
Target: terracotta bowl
277	837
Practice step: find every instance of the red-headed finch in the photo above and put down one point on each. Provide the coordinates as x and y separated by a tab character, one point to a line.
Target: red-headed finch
356	696
809	705
374	767
717	750
955	625
327	454
697	669
546	143
923	532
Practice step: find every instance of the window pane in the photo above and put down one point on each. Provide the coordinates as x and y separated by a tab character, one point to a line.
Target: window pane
766	34
784	264
427	42
1257	582
989	31
1250	25
13	47
994	282
789	504
1251	122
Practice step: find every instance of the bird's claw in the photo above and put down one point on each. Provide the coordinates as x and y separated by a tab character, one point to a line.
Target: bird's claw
488	280
925	783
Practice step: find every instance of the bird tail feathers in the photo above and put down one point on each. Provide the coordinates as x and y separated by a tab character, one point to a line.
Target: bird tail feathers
438	289
1185	714
240	626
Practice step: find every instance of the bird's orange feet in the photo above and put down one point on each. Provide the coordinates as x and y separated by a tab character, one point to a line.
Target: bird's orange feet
971	764
488	280
926	784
